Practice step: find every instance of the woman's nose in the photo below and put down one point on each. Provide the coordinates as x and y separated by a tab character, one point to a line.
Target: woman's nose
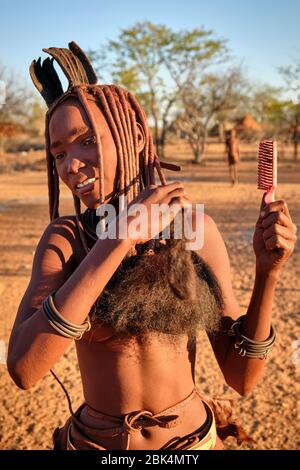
74	165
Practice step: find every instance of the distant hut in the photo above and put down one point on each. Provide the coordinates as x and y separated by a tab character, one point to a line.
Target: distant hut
248	128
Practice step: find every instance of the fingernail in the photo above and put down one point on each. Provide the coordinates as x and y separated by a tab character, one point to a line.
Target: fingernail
262	213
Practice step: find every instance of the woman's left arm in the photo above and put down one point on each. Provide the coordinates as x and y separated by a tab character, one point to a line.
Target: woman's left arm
273	242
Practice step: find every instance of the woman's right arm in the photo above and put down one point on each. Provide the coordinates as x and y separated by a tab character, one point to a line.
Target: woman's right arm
34	345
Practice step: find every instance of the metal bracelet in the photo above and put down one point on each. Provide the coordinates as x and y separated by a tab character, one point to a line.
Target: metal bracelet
250	347
61	324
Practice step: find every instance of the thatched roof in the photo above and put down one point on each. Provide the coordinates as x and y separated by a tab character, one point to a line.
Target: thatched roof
248	122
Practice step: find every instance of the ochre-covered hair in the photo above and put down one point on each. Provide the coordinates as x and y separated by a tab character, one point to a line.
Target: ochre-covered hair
136	170
175	292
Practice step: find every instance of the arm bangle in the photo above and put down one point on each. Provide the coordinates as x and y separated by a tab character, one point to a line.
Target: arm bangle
250	347
62	325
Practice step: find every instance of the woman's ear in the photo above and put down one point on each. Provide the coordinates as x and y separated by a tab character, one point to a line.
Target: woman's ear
141	139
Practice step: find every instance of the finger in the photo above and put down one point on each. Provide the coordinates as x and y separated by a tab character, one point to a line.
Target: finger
279	218
277	229
276	241
175	207
262	210
146	192
178	192
262	203
286	211
275	206
176	201
183	201
157	191
163	189
186	200
151	187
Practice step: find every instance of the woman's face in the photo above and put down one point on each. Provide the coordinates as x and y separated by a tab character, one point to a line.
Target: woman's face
73	146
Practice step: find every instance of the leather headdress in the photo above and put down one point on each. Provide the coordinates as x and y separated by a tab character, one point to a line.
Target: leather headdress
73	62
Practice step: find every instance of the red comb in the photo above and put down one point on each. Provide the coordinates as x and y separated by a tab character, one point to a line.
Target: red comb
267	169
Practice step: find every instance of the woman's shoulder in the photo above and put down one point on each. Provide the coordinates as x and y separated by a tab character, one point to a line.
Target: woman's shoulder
63	227
202	221
207	231
61	235
64	220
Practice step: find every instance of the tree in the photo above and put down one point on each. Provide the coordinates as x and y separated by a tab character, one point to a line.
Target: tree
202	102
270	110
155	63
262	100
292	77
35	119
14	111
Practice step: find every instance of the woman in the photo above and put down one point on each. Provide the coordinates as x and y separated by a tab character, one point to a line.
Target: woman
233	155
138	384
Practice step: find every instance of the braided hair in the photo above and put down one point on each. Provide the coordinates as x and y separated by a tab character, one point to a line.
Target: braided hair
136	170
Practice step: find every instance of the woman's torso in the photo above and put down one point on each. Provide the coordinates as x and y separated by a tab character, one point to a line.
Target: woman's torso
123	375
118	379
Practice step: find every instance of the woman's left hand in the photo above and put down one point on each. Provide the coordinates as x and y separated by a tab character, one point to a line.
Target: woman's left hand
274	237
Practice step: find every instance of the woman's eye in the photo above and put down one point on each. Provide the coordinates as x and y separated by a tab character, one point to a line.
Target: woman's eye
59	156
89	140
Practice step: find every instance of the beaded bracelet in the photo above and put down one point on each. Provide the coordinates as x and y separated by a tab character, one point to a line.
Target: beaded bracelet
250	347
60	324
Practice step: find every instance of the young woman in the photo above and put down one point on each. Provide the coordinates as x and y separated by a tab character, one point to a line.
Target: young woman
137	361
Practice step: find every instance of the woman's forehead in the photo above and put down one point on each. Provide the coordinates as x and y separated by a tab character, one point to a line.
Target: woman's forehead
67	111
71	113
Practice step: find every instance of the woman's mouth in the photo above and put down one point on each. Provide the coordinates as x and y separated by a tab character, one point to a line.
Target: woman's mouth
86	185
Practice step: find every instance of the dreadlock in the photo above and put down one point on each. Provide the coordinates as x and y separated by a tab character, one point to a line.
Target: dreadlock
175	291
136	170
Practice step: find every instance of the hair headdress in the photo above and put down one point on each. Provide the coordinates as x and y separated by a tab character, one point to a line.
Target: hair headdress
122	113
73	62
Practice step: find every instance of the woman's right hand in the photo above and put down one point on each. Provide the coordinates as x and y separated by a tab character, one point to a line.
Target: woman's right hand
153	210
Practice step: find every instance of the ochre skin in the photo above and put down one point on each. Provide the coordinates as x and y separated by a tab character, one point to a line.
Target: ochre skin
116	379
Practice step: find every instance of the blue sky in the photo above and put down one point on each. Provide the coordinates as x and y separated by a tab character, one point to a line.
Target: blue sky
262	34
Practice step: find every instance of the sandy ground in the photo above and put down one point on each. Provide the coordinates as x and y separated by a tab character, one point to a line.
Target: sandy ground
270	414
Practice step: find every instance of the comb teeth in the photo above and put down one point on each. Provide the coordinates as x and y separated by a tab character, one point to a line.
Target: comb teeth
267	165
